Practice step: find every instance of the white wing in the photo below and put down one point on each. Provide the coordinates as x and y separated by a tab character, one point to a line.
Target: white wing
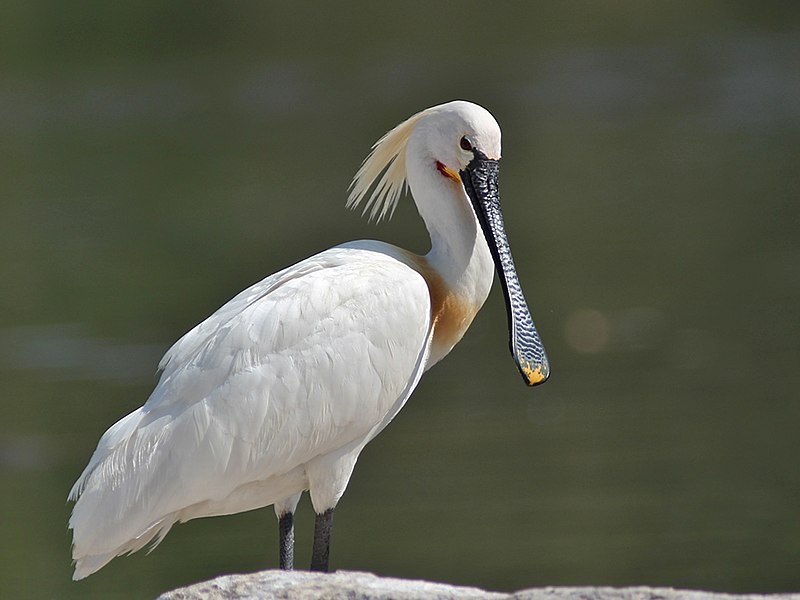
318	356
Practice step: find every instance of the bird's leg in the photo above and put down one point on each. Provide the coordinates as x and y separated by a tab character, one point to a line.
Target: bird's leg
286	531
322	541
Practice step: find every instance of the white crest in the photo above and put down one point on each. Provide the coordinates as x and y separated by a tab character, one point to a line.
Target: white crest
388	156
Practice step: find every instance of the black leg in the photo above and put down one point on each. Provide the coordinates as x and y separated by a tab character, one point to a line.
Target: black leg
322	541
286	530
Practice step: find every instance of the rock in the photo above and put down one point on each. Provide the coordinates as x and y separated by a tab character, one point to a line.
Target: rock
637	593
300	585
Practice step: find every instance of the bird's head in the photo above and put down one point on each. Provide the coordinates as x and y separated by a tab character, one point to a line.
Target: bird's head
450	137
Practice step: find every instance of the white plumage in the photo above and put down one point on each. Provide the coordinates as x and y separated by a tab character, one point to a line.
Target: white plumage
279	390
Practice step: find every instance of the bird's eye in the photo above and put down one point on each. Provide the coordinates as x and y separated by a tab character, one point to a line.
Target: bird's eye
465	144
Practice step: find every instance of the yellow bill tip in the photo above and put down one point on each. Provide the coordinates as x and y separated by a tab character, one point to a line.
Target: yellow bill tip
534	375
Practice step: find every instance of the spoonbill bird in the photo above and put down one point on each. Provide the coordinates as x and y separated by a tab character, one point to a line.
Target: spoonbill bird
279	391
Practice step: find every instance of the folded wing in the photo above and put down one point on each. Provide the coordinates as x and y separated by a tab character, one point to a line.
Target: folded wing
309	360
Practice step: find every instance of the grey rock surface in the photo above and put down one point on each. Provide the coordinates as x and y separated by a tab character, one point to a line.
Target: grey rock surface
366	586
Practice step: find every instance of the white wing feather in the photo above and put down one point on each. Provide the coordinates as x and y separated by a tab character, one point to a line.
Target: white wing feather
308	361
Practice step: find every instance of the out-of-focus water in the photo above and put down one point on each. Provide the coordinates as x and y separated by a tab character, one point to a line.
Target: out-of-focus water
159	157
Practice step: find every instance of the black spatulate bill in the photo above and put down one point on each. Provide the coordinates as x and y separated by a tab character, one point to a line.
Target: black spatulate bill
480	182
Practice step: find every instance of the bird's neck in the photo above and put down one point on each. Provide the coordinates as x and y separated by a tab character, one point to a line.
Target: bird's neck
458	250
459	267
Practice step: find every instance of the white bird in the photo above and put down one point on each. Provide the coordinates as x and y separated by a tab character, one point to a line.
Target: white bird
279	391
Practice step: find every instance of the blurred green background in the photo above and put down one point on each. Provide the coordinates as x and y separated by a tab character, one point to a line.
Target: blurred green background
158	157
